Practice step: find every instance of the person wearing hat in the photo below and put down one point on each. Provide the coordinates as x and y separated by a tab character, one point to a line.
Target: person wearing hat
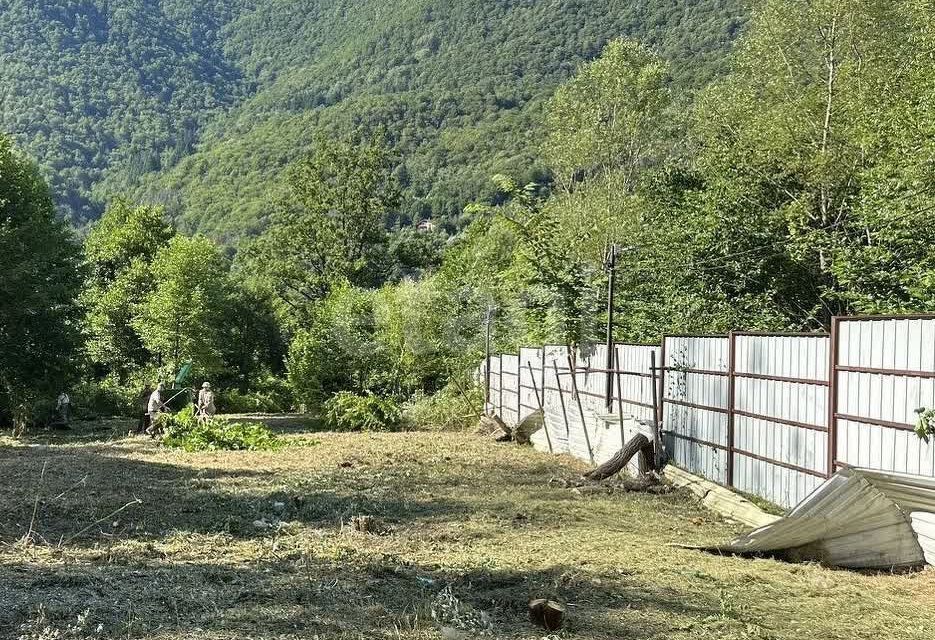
206	408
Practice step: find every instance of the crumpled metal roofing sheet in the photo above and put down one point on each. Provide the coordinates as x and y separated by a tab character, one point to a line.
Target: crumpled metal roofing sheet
859	519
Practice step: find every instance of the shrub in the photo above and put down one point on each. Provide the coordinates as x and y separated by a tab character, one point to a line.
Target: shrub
105	398
447	410
348	411
184	431
233	401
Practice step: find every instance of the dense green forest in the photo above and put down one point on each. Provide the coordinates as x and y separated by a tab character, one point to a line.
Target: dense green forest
199	106
97	89
796	186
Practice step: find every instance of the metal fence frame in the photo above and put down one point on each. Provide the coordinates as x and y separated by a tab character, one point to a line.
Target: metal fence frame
545	378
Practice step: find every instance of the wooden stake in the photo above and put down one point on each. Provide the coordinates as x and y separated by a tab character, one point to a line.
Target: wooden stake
545	423
561	397
584	424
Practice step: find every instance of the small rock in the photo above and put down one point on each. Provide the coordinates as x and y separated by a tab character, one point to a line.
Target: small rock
279	506
261	524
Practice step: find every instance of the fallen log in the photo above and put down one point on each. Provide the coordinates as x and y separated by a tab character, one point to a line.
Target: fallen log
637	444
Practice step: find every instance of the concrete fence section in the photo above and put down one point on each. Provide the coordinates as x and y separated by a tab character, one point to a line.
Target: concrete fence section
772	415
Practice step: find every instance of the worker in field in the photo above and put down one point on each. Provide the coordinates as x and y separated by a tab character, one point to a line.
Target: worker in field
206	406
142	404
63	408
154	407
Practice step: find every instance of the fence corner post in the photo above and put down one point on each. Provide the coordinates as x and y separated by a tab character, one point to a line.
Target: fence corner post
833	358
661	416
731	397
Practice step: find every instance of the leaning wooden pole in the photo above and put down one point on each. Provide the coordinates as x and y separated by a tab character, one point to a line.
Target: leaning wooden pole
535	388
584	424
561	398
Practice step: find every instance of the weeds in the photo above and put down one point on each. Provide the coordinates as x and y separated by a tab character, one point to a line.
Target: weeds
184	431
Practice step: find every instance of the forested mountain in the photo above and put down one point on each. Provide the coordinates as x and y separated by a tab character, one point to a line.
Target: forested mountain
201	105
91	86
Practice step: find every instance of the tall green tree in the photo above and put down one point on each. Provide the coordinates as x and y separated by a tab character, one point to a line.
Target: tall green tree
332	226
183	317
819	131
119	251
40	278
607	120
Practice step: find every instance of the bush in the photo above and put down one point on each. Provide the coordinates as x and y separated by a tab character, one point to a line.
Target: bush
348	411
184	431
234	401
105	398
266	394
447	410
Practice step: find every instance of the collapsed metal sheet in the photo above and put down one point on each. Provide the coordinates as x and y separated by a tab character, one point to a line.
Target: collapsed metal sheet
860	519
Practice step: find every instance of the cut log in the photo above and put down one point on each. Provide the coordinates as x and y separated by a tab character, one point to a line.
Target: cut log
548	614
524	431
635	445
491	426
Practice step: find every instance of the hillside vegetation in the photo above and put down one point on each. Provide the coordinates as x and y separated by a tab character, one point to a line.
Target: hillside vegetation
200	105
92	88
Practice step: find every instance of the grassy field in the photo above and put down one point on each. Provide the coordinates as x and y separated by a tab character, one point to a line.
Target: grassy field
257	545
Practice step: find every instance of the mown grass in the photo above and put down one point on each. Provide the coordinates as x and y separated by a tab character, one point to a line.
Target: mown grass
255	545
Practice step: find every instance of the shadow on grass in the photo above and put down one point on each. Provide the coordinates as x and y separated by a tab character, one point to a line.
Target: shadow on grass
347	597
82	485
88	432
282	423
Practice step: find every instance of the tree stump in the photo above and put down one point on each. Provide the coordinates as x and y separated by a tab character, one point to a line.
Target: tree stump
548	614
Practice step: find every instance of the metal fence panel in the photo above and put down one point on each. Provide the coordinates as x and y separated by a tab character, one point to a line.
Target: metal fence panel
530	381
696	394
555	397
885	372
509	377
635	388
780	419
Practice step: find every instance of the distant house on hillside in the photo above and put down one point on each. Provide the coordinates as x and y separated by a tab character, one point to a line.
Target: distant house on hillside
426	225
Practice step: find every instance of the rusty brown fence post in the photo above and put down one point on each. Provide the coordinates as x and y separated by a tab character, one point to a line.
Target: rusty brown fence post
662	387
731	396
833	349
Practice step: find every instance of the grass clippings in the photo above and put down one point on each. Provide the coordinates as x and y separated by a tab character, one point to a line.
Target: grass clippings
470	532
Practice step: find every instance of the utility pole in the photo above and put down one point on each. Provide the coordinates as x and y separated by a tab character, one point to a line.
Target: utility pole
489	321
611	268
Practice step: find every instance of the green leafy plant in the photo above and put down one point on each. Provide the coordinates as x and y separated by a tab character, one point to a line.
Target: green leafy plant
925	425
348	411
447	410
184	431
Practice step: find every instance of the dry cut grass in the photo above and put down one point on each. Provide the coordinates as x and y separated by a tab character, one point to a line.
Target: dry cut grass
258	545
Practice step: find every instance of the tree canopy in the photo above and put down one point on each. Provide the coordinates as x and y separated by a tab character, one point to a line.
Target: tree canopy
40	280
